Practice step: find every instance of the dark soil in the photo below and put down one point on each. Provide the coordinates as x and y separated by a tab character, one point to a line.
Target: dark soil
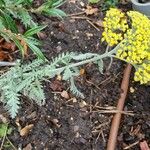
76	124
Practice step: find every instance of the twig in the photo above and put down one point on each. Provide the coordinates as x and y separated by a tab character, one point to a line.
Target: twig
76	14
92	24
114	111
98	136
80	17
117	117
131	145
93	84
107	79
11	143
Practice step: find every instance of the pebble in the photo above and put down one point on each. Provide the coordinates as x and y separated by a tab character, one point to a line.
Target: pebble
76	128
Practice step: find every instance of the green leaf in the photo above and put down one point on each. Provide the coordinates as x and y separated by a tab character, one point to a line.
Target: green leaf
10	23
1	23
74	89
67	74
25	2
94	1
55	12
35	49
2	2
84	56
25	17
100	65
57	3
18	44
34	30
3	130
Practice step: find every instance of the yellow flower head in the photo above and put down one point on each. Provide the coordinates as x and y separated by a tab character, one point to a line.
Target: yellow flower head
133	39
115	24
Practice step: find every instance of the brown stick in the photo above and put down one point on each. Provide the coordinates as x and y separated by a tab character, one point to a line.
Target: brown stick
117	117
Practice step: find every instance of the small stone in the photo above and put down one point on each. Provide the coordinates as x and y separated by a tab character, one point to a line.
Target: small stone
132	90
77	31
59	77
82	104
76	128
28	147
71	118
59	48
77	135
65	94
25	131
74	100
82	140
82	4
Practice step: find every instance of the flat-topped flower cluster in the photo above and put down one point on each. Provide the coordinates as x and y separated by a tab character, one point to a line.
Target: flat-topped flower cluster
131	33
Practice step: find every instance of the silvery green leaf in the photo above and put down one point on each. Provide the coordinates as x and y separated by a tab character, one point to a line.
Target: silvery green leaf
67	74
83	56
100	65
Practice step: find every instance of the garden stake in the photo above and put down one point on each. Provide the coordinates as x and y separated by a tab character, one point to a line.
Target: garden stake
117	117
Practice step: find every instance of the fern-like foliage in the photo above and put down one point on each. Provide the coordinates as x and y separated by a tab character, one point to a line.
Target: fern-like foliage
22	10
27	79
23	42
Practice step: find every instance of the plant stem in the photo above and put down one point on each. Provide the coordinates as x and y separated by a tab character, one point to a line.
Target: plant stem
96	58
5	63
117	117
11	143
1	147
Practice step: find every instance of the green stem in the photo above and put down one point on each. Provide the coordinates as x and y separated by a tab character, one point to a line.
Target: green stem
11	143
4	138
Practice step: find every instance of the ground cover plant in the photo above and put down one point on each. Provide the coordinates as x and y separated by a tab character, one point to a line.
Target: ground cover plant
27	79
126	36
22	10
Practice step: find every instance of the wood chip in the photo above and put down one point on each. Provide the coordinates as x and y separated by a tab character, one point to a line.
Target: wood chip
25	131
59	77
99	23
56	85
42	35
82	71
3	119
28	147
56	123
91	11
82	104
65	94
82	4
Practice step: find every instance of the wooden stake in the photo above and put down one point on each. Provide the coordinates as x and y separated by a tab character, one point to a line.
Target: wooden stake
117	117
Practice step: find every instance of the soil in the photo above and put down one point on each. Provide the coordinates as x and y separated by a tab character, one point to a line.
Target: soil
75	123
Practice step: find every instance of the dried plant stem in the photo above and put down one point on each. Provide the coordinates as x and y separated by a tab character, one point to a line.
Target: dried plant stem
117	117
4	63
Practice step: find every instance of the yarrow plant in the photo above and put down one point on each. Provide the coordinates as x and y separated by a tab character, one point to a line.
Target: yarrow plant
128	37
131	34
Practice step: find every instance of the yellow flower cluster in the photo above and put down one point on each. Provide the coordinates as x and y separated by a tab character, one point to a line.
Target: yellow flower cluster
134	46
114	24
143	74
